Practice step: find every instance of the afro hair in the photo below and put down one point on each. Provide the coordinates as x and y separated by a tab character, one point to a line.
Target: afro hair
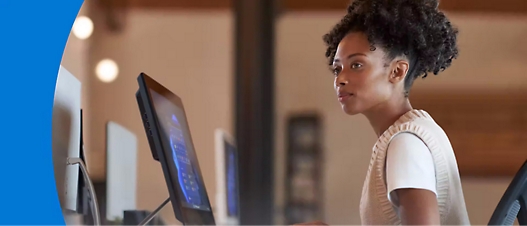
415	28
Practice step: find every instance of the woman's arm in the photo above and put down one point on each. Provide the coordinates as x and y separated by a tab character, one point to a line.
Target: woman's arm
418	207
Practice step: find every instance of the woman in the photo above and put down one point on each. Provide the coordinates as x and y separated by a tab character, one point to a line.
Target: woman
376	52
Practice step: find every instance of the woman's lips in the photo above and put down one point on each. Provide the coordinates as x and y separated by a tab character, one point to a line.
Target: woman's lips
344	96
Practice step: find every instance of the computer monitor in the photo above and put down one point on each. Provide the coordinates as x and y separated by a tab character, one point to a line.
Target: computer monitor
65	137
121	171
168	133
227	194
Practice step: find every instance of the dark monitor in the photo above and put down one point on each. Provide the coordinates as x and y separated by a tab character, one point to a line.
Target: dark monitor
513	204
168	133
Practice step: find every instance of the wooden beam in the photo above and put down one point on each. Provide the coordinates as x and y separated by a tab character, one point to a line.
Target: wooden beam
168	4
314	5
465	6
484	6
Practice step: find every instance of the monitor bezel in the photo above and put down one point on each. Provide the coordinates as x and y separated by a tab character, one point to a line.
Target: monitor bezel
159	153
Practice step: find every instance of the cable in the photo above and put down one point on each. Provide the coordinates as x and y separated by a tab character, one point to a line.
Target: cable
153	214
95	205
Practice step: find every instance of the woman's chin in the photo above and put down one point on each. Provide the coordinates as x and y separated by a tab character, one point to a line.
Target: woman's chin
350	110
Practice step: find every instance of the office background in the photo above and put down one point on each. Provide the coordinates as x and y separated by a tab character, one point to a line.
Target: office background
191	49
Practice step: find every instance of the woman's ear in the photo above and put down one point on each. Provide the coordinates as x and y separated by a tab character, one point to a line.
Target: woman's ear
399	71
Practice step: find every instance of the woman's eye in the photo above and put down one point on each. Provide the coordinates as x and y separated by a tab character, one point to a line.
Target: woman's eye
356	65
336	71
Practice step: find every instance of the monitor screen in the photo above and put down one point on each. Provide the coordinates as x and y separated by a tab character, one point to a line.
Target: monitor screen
231	170
170	141
173	125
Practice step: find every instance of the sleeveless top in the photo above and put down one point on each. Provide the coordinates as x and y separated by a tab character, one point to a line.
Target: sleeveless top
376	209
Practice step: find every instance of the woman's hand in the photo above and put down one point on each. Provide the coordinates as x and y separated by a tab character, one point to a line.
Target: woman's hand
313	223
418	207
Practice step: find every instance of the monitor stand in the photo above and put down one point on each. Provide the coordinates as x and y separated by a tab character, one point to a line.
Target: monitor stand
154	214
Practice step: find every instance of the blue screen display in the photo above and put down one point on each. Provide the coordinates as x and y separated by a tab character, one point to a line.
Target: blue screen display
186	176
232	180
172	121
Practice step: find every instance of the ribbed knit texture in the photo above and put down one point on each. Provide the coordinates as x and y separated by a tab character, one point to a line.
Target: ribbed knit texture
376	209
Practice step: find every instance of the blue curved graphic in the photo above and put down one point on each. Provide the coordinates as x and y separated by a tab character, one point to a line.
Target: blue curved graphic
34	35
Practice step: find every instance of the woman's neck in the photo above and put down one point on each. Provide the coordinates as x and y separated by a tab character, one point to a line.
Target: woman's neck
383	116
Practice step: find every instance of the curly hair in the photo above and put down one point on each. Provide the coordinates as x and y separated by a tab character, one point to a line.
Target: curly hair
415	28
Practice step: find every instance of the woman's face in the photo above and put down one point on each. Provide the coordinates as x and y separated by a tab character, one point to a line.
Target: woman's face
362	77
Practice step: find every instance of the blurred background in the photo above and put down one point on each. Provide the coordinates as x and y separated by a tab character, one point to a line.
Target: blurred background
214	52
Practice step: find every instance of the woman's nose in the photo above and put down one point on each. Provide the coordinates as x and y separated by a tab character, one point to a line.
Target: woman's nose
340	80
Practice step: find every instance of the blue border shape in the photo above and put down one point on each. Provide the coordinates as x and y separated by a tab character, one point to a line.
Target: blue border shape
33	35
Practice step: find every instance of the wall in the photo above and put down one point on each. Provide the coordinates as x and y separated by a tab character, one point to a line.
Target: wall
492	57
75	58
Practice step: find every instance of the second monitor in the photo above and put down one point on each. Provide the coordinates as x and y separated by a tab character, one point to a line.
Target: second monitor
227	194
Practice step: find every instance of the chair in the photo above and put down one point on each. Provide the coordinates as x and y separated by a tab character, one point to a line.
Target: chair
513	204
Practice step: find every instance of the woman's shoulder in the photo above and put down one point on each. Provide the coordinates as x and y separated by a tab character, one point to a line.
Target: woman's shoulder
421	123
418	122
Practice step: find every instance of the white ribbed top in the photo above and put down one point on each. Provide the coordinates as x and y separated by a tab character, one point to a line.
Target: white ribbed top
375	207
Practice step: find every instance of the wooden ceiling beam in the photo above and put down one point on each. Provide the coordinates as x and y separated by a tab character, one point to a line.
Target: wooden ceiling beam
484	6
468	6
168	4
